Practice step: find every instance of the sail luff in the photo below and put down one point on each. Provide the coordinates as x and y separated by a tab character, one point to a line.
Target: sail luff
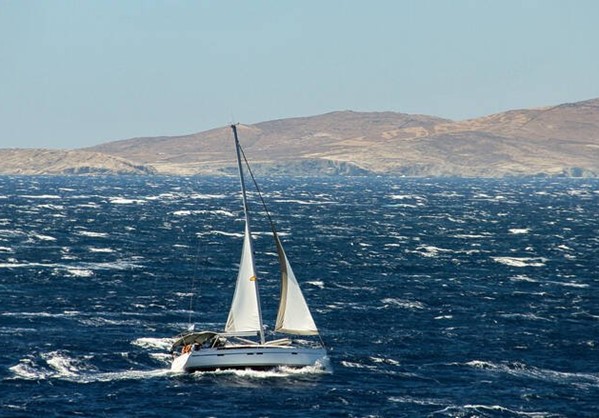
246	312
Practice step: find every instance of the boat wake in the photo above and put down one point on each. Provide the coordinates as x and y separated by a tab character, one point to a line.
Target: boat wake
59	365
278	372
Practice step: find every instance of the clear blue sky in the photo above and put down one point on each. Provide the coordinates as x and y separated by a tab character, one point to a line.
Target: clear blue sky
78	73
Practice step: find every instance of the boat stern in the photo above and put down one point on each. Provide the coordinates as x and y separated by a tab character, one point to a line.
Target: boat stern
179	363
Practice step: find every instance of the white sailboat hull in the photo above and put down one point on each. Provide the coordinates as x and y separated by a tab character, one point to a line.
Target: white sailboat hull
259	357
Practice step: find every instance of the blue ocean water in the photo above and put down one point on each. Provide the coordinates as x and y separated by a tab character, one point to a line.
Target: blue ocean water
436	297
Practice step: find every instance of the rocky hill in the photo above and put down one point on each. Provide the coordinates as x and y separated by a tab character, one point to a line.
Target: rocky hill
42	161
556	141
560	140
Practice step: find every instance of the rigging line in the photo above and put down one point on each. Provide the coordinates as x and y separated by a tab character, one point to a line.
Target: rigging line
270	220
194	276
193	283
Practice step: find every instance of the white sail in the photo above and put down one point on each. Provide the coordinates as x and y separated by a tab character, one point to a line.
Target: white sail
294	316
245	311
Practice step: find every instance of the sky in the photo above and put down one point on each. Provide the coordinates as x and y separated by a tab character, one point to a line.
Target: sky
78	73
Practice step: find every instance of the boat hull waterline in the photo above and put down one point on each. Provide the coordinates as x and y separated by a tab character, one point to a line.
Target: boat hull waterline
255	358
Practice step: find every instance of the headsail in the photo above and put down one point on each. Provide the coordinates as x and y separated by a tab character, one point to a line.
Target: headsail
294	316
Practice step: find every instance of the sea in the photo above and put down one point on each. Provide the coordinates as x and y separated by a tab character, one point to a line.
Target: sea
434	297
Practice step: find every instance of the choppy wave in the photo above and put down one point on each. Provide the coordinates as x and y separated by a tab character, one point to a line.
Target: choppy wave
489	410
116	265
93	234
519	230
583	380
125	201
402	303
521	261
188	212
149	342
435	297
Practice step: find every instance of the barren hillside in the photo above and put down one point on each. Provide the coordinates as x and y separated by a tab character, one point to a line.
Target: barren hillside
559	140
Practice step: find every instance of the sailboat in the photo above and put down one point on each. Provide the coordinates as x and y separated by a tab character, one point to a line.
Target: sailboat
243	344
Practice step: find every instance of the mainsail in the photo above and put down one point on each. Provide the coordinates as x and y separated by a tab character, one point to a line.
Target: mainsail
294	316
245	311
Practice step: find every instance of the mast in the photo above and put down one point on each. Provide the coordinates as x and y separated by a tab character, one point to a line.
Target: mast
248	230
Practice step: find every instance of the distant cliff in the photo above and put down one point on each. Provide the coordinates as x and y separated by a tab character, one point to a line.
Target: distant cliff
559	140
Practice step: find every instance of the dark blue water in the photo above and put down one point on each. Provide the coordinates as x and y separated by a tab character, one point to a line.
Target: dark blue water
436	297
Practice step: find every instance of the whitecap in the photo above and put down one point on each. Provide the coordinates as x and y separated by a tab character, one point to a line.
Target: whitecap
41	196
521	261
78	272
100	250
569	284
455	410
430	250
527	316
43	237
519	230
317	283
353	365
184	294
402	303
188	212
12	263
182	213
416	401
304	202
523	278
149	342
117	265
33	314
11	233
385	361
523	370
28	370
223	233
207	196
123	201
405	197
50	206
92	234
64	365
471	236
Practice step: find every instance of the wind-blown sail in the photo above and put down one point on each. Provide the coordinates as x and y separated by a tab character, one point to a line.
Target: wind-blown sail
245	311
294	316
